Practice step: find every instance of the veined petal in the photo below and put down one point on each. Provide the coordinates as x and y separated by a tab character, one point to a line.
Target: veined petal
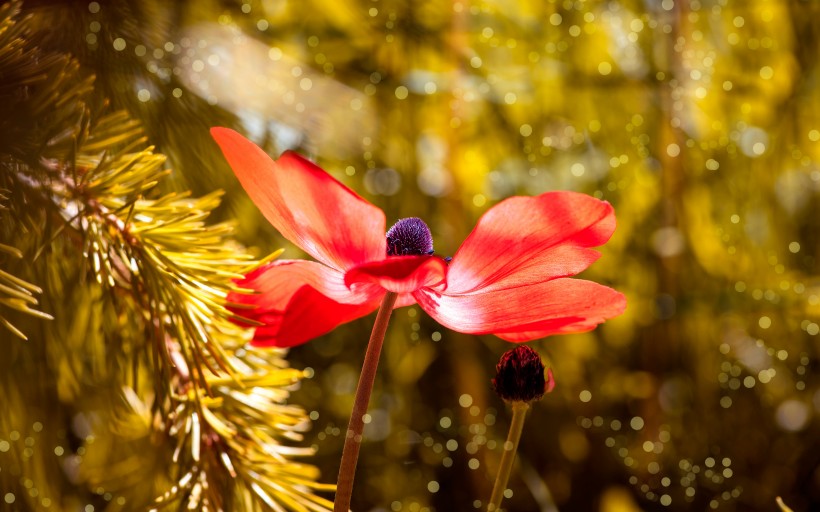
309	314
307	205
526	312
524	240
401	274
298	300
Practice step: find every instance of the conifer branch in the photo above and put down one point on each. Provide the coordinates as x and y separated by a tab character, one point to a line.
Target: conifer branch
221	405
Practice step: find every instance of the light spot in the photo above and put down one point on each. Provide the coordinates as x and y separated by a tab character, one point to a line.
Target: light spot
764	322
262	25
673	150
94	7
585	396
555	19
479	200
814	135
794	247
766	72
445	422
144	95
577	169
401	92
753	141
636	423
177	92
792	415
430	88
465	400
604	68
510	98
9	498
433	486
473	463
119	44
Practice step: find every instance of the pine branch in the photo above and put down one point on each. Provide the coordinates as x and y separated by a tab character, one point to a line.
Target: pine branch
17	293
221	406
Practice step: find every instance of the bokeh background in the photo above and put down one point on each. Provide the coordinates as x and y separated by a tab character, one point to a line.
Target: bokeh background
698	120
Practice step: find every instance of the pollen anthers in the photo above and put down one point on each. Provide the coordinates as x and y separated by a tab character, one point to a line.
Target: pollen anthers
409	237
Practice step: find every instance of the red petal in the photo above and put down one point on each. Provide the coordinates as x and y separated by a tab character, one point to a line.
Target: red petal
525	312
401	274
304	203
524	240
299	300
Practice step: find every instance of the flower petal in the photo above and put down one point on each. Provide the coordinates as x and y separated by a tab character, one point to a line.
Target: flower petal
307	205
527	312
524	240
298	300
401	274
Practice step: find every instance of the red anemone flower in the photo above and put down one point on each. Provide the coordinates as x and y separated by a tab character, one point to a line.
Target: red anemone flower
510	277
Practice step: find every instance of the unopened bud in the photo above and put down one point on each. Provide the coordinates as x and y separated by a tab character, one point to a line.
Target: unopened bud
520	376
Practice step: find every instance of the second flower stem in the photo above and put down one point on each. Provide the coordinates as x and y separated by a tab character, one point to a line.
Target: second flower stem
508	456
353	436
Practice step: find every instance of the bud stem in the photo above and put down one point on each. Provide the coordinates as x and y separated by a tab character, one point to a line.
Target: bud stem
353	436
508	456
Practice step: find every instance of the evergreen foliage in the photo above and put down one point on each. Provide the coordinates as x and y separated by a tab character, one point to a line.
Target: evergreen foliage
132	361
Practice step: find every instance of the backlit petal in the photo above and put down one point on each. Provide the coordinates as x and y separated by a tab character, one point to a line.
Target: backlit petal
307	205
525	312
401	274
299	300
524	240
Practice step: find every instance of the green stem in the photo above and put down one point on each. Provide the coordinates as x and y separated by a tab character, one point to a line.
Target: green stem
508	456
353	437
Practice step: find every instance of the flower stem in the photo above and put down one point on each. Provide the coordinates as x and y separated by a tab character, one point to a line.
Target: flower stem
510	447
353	437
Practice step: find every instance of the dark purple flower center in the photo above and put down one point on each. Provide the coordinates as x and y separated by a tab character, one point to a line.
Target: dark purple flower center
520	375
409	236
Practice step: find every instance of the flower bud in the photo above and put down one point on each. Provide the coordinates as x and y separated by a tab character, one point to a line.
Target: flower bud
520	376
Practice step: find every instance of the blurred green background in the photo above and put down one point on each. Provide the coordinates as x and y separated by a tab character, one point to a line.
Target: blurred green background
698	120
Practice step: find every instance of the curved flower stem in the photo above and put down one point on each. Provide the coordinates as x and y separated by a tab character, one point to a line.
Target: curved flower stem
353	437
510	447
